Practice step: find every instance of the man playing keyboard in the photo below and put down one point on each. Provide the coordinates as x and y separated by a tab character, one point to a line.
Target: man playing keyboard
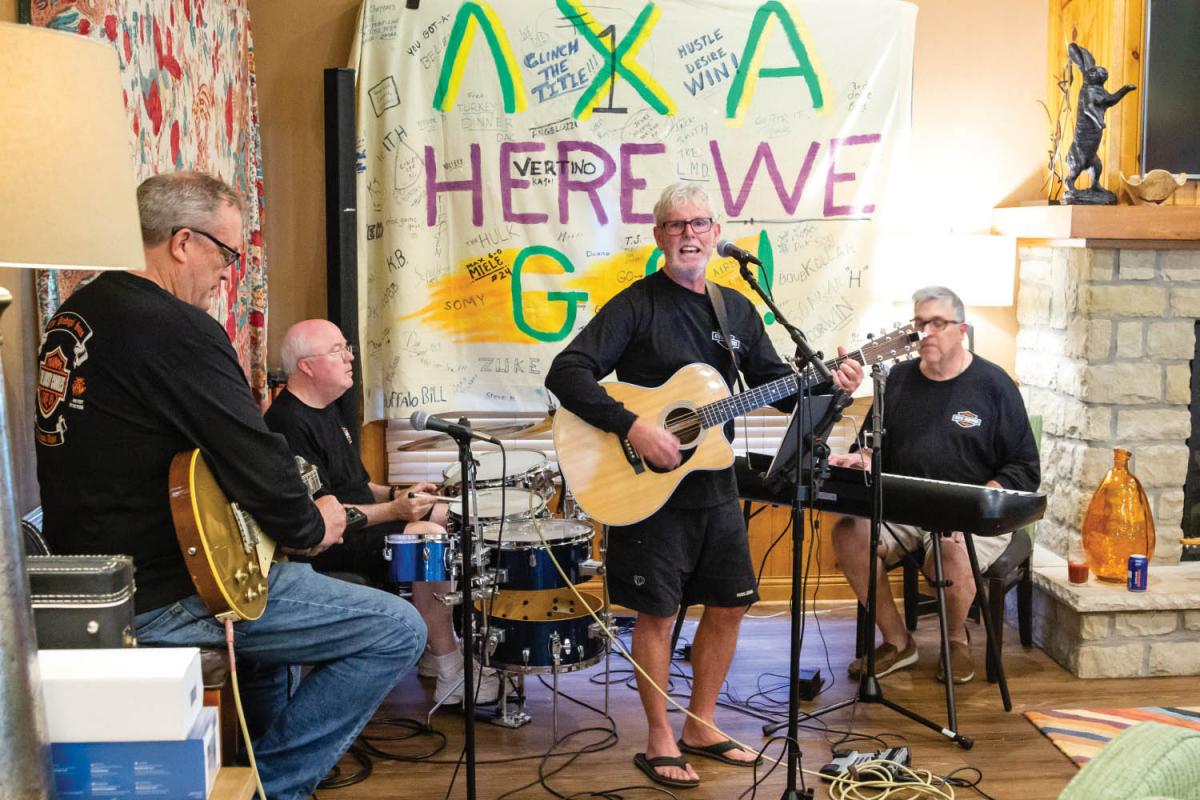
952	416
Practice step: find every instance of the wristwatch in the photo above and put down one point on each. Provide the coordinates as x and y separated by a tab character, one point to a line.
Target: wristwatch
392	493
355	518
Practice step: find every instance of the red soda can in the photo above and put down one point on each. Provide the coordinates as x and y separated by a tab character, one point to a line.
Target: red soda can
1139	573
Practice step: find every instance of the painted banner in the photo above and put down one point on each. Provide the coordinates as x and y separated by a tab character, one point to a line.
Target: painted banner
511	151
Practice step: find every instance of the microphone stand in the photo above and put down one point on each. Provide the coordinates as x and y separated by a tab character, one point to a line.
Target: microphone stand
869	690
805	358
467	465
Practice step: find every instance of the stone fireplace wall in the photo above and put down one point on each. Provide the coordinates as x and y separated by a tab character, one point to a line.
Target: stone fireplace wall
1103	354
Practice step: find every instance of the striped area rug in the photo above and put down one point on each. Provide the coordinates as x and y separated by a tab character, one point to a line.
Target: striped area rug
1080	734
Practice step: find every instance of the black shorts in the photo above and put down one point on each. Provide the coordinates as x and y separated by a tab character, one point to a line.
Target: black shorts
697	556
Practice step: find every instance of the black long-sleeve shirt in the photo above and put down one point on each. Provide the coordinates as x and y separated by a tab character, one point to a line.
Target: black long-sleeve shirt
129	376
647	333
972	428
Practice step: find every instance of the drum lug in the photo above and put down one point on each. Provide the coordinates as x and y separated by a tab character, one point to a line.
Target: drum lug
566	647
589	567
450	598
525	655
495	638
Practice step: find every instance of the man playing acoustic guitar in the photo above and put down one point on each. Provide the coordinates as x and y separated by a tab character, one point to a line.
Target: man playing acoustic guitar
694	549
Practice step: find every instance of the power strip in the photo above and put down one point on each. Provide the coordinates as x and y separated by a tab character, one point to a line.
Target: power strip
843	761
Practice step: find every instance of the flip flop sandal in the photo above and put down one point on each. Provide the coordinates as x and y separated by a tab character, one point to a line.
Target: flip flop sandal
647	765
717	752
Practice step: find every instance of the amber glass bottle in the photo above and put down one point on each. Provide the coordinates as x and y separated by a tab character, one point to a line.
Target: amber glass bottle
1118	522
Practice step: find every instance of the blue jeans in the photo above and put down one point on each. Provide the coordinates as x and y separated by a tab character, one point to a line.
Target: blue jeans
359	642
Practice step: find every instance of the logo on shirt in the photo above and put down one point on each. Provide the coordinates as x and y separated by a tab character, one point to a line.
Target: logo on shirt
966	419
64	350
346	433
735	342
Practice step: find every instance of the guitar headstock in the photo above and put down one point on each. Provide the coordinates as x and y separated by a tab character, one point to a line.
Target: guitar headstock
895	344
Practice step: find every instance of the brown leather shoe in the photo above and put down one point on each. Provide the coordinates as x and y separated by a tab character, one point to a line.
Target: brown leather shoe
887	659
961	664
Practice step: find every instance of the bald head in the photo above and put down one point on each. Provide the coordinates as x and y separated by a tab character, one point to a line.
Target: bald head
306	338
318	362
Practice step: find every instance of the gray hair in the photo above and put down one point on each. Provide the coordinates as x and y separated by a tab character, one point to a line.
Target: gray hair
941	293
181	200
295	345
679	194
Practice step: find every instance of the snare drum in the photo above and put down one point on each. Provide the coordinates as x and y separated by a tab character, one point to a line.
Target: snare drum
535	626
526	469
520	552
519	506
415	557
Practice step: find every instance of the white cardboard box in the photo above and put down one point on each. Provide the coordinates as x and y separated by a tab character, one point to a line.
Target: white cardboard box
132	694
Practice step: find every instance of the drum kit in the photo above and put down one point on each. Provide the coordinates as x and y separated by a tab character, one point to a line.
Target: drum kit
533	548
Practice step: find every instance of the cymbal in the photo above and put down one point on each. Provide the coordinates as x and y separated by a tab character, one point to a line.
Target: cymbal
512	430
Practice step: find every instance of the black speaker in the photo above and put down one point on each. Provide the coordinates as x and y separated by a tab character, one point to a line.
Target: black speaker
341	219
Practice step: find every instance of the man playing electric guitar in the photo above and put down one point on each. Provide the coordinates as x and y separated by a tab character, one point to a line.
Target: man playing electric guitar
694	549
133	371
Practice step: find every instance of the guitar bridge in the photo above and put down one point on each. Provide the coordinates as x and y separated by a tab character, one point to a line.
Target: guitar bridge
632	457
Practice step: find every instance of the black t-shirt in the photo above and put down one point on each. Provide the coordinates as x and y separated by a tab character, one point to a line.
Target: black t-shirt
646	334
129	376
318	436
972	428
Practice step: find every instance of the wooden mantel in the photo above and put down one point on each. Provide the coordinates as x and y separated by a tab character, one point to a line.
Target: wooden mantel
1105	227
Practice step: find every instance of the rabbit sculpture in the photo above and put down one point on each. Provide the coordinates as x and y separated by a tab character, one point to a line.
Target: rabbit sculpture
1094	101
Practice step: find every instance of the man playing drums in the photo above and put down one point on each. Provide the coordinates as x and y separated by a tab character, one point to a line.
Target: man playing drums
317	360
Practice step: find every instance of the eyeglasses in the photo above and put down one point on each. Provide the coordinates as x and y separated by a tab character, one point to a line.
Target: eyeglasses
228	254
674	227
935	324
338	352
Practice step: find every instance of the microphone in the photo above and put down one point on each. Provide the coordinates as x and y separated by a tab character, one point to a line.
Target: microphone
727	249
422	421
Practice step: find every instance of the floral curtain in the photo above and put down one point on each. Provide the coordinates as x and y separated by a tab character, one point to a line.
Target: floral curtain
190	95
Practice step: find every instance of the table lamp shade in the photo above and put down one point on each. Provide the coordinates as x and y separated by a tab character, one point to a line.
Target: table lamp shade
67	193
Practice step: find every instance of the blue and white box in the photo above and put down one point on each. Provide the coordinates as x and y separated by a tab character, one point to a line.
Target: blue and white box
184	769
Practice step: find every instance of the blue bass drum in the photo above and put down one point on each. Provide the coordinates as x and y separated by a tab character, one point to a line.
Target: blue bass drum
545	631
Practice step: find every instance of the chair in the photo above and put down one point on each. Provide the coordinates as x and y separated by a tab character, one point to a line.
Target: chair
1011	570
1148	760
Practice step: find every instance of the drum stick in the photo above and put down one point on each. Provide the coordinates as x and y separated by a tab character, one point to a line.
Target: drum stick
424	495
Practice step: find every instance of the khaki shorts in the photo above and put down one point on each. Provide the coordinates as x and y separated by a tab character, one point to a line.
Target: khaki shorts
902	539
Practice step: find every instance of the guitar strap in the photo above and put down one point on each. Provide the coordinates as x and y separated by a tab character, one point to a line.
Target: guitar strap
718	304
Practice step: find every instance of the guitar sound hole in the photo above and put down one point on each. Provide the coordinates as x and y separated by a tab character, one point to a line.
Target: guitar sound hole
684	423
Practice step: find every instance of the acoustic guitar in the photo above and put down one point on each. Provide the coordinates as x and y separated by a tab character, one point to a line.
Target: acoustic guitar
227	554
611	481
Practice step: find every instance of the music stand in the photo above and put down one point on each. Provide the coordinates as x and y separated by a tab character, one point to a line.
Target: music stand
801	431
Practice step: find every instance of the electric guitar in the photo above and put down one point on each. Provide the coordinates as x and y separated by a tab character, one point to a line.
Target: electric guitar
226	552
614	485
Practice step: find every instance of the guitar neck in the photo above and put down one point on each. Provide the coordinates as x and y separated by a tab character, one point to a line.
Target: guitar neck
722	411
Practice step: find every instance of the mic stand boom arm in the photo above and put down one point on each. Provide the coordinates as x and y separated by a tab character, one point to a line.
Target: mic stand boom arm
804	352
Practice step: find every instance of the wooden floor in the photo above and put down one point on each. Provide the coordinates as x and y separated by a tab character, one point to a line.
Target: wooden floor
1016	761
